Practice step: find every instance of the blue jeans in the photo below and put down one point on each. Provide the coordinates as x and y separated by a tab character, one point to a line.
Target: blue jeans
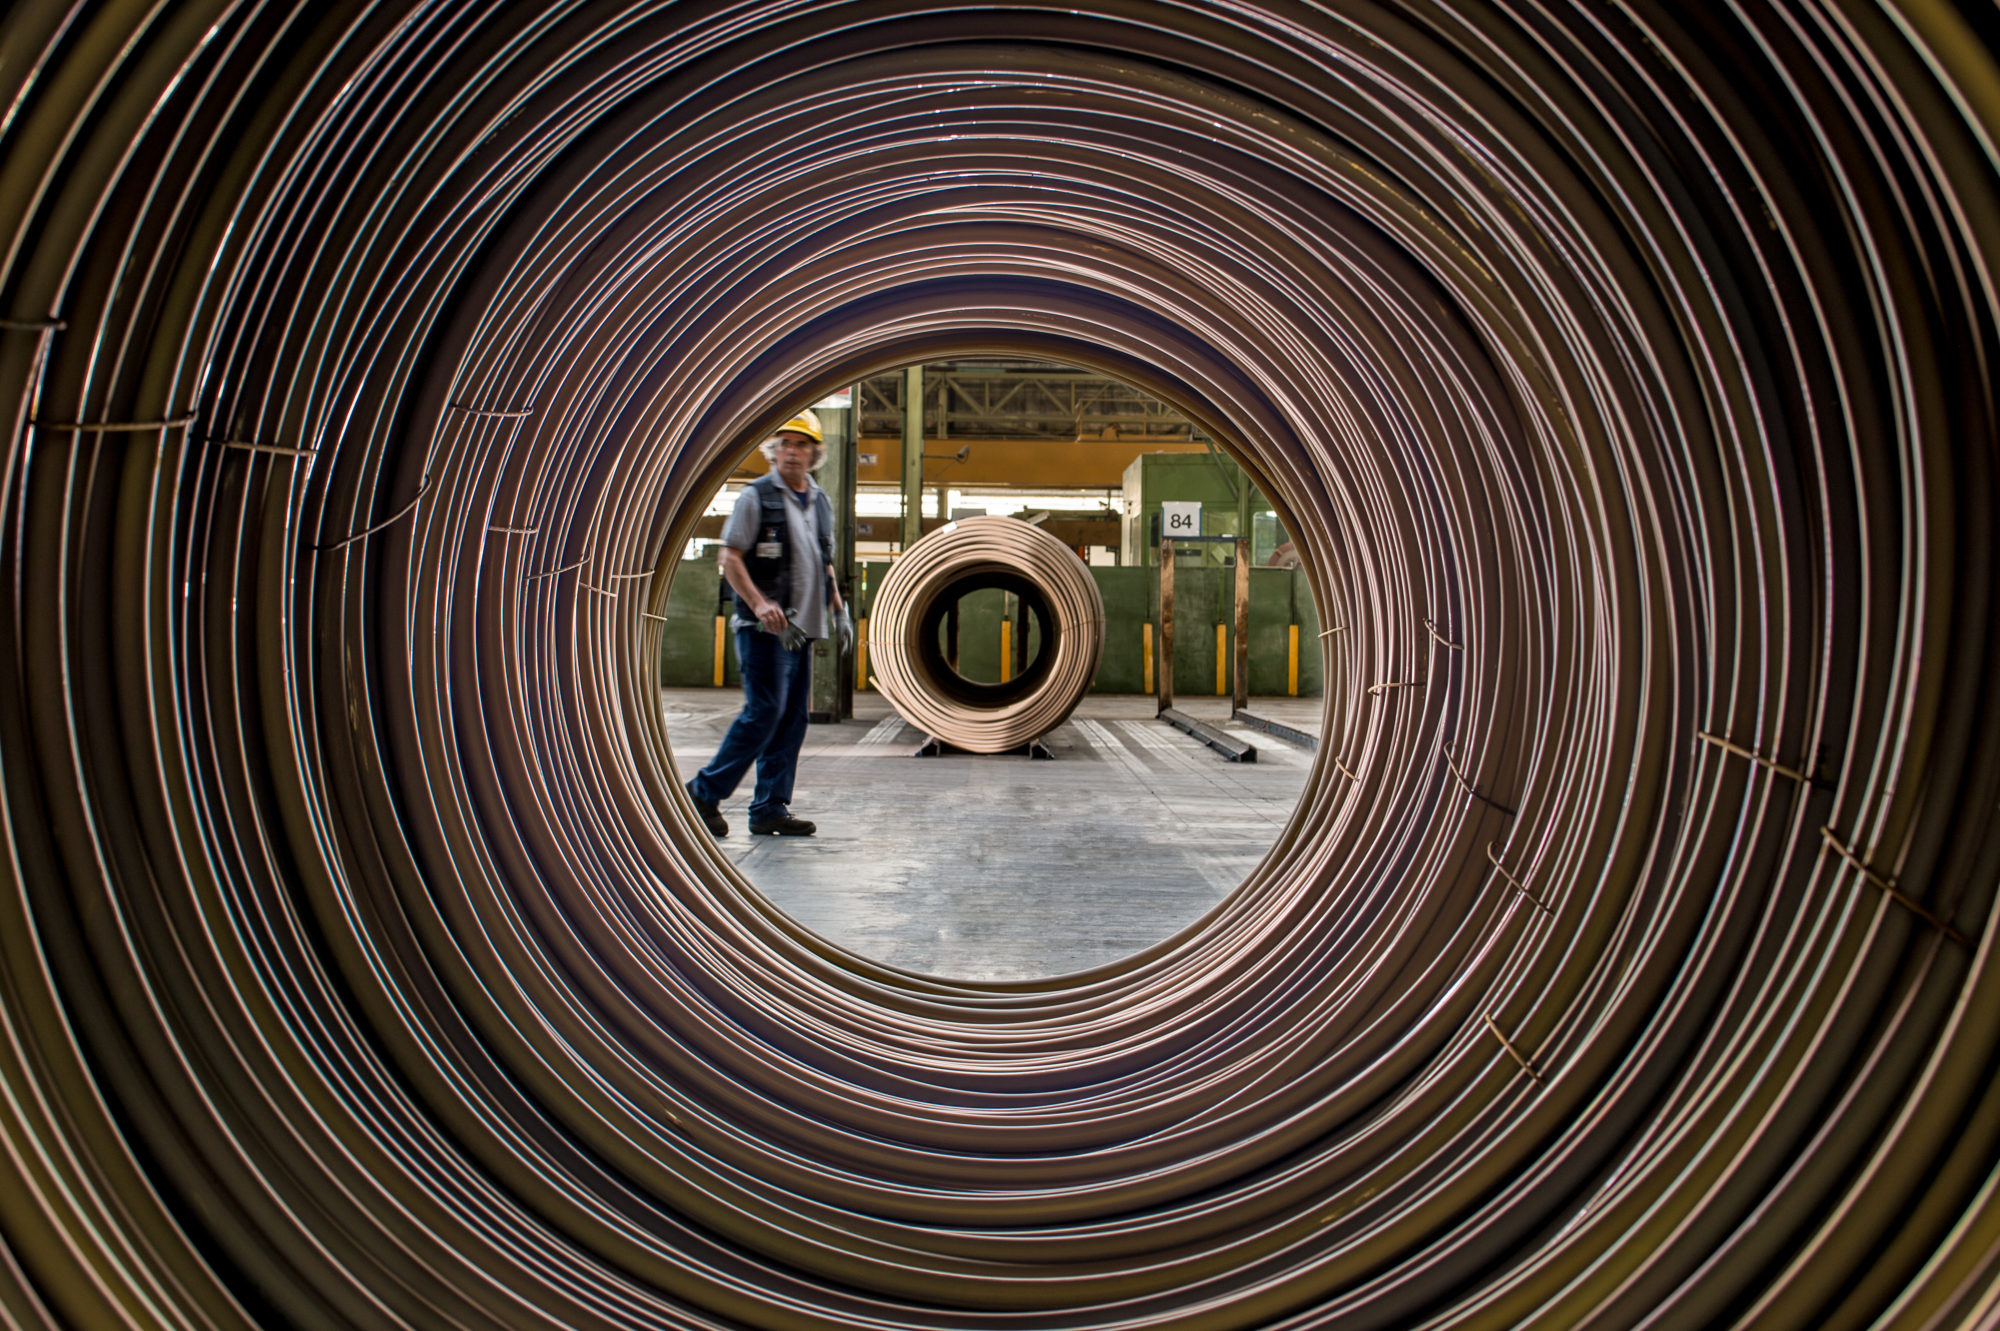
777	693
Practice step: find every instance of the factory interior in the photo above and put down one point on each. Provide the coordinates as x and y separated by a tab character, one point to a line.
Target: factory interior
998	867
1419	748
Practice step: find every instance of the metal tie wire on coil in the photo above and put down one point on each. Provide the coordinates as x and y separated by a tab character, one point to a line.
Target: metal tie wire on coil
1627	962
1055	590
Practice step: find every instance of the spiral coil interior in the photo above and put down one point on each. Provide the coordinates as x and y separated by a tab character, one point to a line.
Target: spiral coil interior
1626	371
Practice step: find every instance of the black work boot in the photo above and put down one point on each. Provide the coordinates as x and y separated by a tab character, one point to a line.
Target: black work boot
782	825
711	817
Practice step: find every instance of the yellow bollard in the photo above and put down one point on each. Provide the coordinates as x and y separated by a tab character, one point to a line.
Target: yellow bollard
1006	650
1221	660
1292	669
721	637
861	653
1148	645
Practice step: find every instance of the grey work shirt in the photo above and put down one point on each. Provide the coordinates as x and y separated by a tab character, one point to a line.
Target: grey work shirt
805	574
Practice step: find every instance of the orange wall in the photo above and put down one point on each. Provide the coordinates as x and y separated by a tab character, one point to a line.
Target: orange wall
1097	464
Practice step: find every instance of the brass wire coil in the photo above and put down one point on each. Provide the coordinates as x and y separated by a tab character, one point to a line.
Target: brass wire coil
906	665
361	963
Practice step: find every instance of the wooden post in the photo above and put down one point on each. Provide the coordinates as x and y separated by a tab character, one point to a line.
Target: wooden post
1166	669
1239	693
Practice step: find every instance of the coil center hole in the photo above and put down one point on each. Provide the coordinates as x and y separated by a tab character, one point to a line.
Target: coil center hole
987	639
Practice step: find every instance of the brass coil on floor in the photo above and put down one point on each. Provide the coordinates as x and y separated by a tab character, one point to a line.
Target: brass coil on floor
1055	589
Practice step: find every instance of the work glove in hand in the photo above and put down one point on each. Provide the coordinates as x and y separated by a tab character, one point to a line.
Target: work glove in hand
844	624
792	636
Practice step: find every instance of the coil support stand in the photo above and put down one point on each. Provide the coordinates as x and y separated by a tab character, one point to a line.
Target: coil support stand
933	747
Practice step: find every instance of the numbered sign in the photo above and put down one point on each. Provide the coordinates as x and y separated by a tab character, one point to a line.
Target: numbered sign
1179	519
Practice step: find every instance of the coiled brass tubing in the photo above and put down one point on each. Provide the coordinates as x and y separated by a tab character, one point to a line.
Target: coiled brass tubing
361	963
1057	589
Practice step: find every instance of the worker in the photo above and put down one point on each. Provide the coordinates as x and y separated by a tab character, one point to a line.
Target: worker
777	556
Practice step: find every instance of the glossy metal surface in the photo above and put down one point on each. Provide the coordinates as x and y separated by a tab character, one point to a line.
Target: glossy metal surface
361	963
924	688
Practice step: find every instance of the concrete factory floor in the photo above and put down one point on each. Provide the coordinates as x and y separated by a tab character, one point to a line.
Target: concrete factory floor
1007	867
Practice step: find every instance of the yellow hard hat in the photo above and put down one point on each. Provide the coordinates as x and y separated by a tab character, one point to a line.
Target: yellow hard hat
804	423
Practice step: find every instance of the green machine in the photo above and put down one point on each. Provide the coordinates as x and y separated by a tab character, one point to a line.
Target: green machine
1206	496
1194	494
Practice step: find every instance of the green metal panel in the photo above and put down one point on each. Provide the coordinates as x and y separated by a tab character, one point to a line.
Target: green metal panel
1200	603
1273	610
1214	482
1312	647
687	644
979	636
868	575
1203	598
1128	607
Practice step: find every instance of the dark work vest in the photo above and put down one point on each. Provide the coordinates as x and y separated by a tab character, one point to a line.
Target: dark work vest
768	571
